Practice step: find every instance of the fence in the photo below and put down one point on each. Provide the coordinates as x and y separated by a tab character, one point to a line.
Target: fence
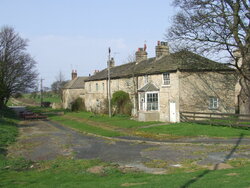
216	118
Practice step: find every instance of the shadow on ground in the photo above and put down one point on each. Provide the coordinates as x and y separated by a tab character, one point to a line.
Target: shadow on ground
192	181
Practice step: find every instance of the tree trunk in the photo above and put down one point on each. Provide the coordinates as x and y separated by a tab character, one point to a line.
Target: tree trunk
244	98
1	103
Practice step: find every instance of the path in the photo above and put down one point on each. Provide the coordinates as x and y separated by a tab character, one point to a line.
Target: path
44	140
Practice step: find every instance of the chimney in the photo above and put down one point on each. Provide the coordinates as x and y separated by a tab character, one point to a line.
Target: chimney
141	55
96	71
73	74
161	49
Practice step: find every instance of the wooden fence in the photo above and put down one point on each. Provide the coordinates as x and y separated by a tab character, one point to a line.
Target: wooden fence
216	118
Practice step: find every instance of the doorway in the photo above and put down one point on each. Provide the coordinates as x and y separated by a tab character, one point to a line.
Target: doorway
172	111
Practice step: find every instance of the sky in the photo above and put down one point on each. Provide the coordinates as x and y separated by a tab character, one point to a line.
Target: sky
76	34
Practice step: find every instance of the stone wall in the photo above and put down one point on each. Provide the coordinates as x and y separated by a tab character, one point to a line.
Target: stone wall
96	93
167	94
196	88
70	95
189	92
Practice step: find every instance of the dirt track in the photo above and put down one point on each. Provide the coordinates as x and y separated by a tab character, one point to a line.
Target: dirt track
45	140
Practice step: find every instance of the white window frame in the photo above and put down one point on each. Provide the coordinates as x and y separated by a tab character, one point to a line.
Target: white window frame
166	80
213	103
143	106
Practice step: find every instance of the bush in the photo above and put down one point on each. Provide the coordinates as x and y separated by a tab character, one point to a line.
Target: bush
46	104
17	95
121	102
78	105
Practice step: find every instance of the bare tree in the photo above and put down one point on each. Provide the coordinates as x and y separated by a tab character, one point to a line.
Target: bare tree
17	72
214	26
57	86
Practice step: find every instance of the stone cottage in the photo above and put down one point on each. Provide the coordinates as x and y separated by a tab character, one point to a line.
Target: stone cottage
162	86
73	89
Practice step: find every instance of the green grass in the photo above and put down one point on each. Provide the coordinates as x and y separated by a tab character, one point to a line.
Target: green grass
8	129
164	131
117	121
85	127
74	173
53	98
64	172
192	129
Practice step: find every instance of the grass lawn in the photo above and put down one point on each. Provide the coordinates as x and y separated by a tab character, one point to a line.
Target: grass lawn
8	129
53	98
76	173
85	127
192	129
64	172
118	121
167	131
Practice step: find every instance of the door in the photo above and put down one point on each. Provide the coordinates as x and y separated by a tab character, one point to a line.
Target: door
172	111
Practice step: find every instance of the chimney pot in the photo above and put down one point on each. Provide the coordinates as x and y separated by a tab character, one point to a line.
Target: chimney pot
73	74
141	55
161	49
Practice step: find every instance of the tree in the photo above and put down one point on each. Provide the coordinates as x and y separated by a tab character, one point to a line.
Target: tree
57	86
122	103
216	26
17	72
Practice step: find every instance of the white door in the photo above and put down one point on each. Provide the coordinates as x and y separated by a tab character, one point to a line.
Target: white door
172	110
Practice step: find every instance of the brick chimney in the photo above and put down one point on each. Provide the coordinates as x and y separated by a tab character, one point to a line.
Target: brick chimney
161	49
74	74
141	55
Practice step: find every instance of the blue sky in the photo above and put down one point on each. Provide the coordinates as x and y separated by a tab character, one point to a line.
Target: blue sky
75	34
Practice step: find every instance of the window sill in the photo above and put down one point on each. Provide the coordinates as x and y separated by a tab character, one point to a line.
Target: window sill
213	108
165	86
148	111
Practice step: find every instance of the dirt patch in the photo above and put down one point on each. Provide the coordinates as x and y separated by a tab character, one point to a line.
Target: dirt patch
132	184
232	174
126	169
96	169
220	166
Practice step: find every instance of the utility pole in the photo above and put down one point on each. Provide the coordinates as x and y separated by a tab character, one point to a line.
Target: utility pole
109	90
41	91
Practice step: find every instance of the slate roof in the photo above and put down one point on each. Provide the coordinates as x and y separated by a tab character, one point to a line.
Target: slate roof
182	61
148	87
77	83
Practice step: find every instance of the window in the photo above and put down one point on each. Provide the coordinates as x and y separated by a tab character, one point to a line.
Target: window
96	86
166	79
213	103
148	101
152	101
145	79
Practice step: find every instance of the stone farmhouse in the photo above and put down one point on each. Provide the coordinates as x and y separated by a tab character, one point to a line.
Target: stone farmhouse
73	89
163	86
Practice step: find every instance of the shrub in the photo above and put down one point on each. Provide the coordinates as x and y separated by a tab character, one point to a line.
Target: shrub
121	102
46	104
78	105
17	95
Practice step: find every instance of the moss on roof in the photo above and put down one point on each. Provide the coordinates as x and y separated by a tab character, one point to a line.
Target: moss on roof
182	61
77	83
